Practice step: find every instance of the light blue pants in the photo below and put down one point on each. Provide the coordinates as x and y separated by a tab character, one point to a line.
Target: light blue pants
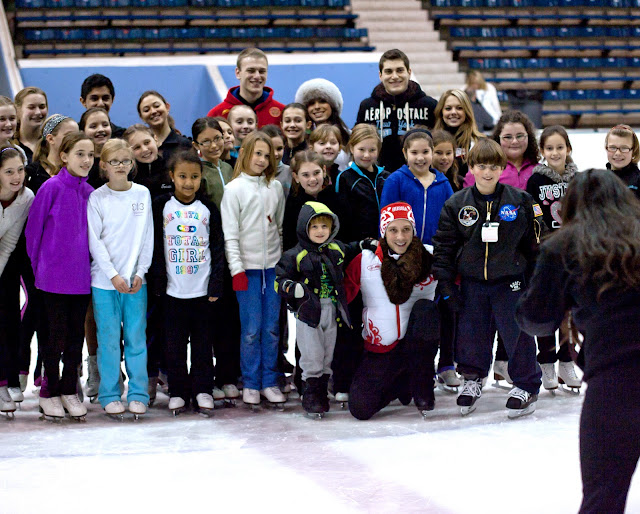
259	330
114	312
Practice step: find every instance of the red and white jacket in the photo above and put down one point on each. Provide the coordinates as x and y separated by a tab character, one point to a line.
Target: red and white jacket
384	323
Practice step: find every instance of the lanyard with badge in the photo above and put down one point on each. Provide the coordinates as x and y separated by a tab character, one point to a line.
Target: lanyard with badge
490	228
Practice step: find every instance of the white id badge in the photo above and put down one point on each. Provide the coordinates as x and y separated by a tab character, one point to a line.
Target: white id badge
490	232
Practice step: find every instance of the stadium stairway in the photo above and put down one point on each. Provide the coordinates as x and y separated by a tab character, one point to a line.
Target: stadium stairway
405	25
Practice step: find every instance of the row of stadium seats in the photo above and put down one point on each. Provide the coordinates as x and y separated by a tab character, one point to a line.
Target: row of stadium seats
549	48
557	62
577	95
543	32
66	4
80	34
535	3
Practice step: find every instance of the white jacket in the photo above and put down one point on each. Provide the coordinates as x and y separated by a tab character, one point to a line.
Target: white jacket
252	213
12	220
385	323
488	98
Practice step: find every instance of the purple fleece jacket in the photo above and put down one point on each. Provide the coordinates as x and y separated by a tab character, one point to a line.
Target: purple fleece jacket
58	237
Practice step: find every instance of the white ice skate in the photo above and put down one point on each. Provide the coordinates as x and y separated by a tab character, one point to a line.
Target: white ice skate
471	392
51	408
137	409
501	372
549	377
567	376
342	399
218	397
23	382
73	406
448	381
176	405
205	403
16	395
115	410
274	397
93	378
7	405
231	394
251	398
521	403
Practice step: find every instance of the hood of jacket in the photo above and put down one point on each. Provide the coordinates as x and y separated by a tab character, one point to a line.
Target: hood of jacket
308	211
570	170
413	93
232	98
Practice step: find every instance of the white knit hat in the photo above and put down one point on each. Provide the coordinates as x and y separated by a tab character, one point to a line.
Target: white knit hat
320	89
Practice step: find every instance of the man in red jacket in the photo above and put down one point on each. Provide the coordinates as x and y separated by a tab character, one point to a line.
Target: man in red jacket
251	71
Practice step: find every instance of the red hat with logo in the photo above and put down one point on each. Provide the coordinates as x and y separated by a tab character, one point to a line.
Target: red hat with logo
396	211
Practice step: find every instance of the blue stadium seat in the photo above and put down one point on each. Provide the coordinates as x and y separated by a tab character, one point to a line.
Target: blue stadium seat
134	33
301	32
230	3
244	33
554	96
54	4
188	33
146	3
173	3
101	34
623	32
631	94
507	64
71	34
216	33
84	4
29	4
615	62
39	35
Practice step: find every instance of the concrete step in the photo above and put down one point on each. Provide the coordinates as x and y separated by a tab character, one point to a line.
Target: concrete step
433	67
393	26
384	5
405	37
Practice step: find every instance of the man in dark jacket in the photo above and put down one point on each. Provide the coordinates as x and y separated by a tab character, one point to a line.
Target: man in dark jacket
395	106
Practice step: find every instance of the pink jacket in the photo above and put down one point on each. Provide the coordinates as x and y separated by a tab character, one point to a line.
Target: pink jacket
510	176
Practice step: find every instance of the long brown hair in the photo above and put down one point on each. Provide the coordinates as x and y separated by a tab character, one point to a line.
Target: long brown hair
246	153
442	136
601	230
466	133
532	153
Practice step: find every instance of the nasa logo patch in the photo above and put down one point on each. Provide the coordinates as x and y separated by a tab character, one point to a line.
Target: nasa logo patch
508	212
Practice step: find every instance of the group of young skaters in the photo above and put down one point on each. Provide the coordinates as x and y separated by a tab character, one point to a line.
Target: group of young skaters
411	235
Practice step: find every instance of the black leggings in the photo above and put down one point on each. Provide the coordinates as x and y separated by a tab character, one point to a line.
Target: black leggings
609	442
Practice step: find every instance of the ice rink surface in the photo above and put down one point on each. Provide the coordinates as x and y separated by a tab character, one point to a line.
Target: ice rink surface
269	461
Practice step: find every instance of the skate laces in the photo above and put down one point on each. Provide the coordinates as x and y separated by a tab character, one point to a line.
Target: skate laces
520	394
569	370
548	372
73	399
472	388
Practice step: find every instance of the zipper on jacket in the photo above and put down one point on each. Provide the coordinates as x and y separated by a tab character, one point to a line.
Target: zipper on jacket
486	249
424	213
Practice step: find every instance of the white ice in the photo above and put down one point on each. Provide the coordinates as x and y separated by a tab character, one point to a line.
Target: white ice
269	461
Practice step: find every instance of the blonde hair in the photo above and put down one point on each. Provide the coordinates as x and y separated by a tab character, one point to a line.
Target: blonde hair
245	155
626	131
41	152
477	76
361	132
466	133
109	149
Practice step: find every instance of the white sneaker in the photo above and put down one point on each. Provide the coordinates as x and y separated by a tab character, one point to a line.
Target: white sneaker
114	408
51	407
218	394
251	396
549	377
6	402
176	403
16	394
205	400
73	406
273	394
230	391
501	371
567	374
136	407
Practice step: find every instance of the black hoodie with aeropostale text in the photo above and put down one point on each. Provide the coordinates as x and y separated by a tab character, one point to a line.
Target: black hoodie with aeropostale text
393	116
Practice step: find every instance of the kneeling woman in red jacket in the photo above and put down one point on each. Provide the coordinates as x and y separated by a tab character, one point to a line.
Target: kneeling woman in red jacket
401	321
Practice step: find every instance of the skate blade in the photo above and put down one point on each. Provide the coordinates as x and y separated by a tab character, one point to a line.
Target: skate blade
9	414
518	413
115	417
229	403
317	416
93	399
276	406
79	419
465	411
575	391
205	413
177	412
253	407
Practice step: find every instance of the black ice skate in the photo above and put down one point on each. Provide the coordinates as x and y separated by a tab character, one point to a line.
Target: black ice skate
521	403
424	405
471	391
311	399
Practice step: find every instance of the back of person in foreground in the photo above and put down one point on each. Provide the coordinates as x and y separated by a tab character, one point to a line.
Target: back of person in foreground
591	265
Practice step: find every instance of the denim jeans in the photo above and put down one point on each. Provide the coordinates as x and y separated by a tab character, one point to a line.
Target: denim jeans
259	316
113	311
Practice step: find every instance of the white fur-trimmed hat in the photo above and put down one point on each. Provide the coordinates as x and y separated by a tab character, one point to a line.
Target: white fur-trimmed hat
323	89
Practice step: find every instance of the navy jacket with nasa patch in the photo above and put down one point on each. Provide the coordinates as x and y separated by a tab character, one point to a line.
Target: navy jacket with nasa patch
458	245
